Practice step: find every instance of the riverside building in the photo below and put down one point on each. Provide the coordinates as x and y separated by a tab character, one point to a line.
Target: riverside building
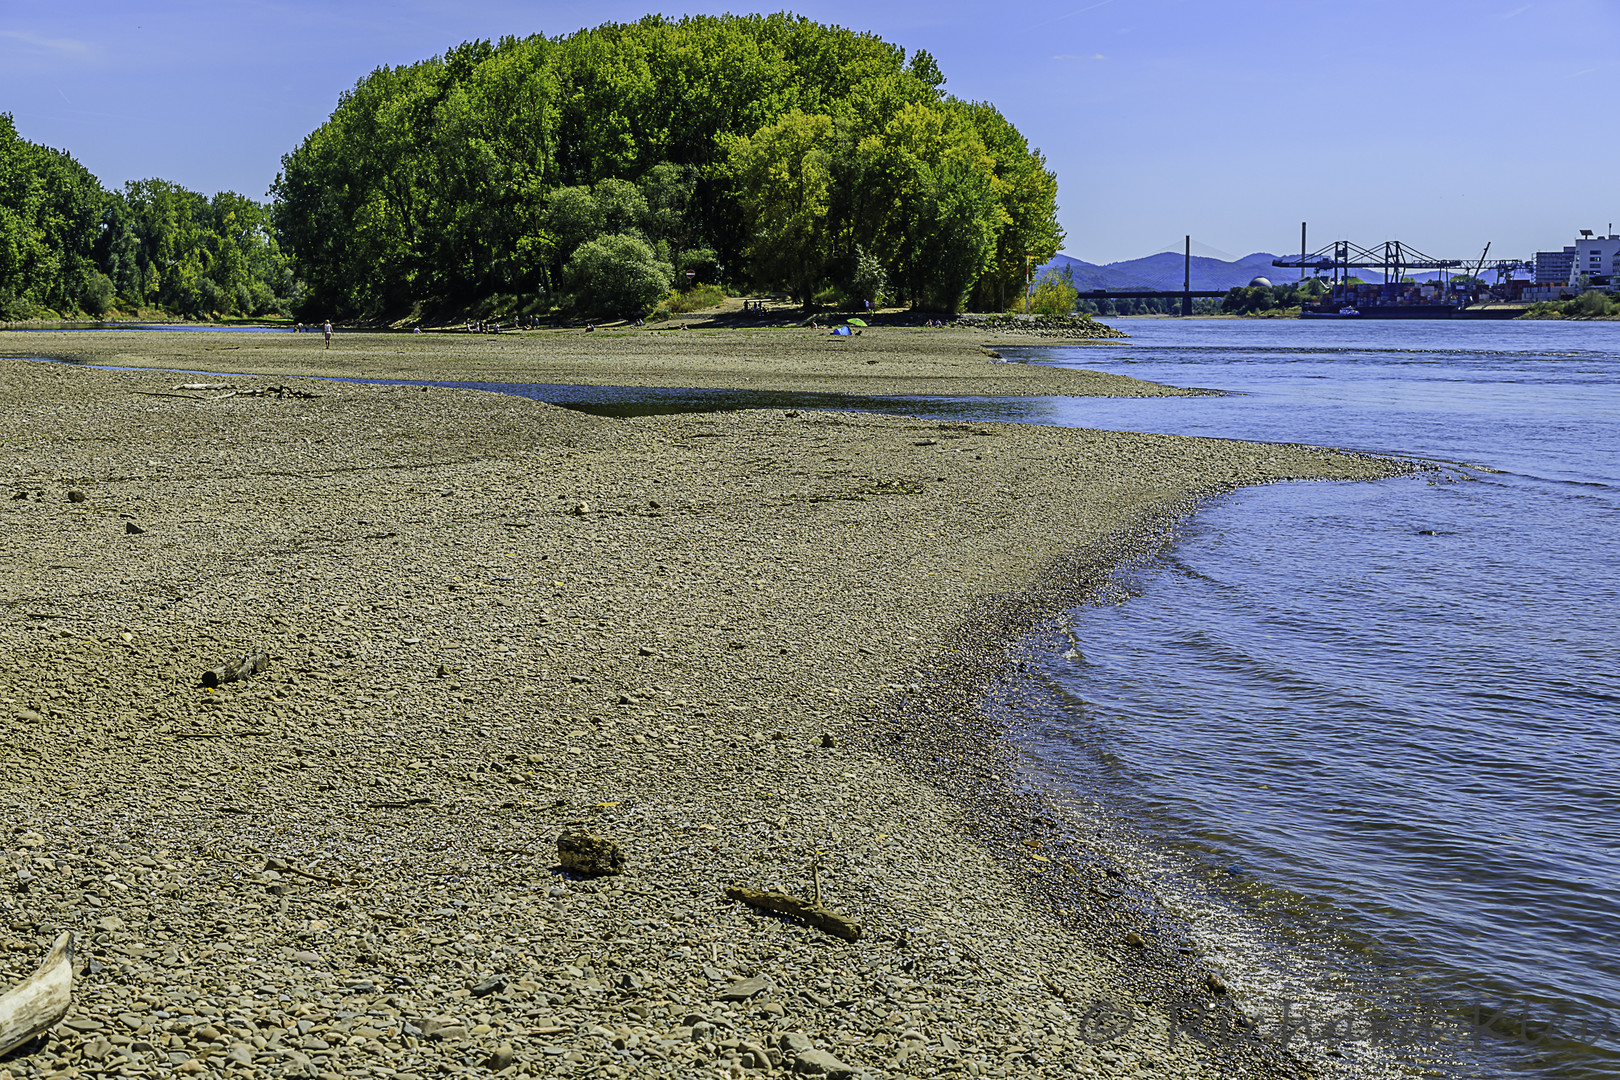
1591	261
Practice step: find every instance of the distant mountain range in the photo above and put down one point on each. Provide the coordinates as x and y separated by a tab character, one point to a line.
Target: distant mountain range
1164	271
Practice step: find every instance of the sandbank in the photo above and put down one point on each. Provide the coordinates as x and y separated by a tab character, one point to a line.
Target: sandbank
748	647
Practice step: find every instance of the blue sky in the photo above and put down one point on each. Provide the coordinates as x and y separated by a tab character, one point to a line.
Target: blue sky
1443	124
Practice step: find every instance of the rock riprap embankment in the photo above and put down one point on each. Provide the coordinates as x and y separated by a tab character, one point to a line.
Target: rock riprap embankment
489	622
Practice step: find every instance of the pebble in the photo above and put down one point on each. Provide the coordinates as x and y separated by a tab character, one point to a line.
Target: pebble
414	818
747	988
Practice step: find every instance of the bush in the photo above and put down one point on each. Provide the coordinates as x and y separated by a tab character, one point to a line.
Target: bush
98	294
616	275
697	298
1055	294
14	308
1589	305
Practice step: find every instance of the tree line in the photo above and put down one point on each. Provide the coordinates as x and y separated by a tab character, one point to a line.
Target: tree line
592	170
69	246
1280	299
585	173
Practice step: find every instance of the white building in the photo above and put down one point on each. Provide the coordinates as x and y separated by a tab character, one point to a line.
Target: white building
1597	258
1591	260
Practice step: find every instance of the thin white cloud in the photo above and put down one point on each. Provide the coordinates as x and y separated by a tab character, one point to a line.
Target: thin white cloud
1516	11
61	47
1082	11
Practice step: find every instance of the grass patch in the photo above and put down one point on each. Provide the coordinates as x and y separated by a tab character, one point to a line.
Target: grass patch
697	298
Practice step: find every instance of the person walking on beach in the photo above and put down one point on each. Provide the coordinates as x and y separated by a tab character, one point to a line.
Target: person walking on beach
326	328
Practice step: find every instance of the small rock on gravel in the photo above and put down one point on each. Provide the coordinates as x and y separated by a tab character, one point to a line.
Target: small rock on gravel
583	852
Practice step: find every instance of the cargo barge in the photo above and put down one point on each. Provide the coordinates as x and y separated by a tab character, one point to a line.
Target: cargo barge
1398	300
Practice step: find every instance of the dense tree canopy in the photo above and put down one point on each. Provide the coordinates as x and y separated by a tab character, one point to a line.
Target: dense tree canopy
585	172
767	151
68	246
50	214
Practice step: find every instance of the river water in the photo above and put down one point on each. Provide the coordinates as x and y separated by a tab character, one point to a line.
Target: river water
1381	722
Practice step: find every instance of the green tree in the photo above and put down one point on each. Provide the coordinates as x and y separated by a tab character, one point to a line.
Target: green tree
784	175
1055	294
1027	193
439	181
935	190
1248	301
50	217
616	275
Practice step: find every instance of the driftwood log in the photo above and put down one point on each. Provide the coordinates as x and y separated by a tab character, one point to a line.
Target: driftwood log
250	664
39	1002
823	919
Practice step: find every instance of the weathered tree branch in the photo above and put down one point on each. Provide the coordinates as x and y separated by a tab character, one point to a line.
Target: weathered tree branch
36	1004
823	919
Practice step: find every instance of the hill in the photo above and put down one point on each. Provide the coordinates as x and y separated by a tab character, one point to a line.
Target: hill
1164	271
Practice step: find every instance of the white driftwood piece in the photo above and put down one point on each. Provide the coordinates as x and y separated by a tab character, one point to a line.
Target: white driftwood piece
40	1001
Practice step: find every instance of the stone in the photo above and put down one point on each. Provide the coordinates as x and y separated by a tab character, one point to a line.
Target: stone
76	496
501	1058
761	1056
96	1049
794	1042
484	987
821	1063
1214	983
442	1028
748	988
828	739
583	852
132	529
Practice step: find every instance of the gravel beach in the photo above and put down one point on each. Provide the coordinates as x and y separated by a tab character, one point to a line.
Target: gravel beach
749	648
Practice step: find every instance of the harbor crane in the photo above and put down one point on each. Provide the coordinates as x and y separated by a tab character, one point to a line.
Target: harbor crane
1394	258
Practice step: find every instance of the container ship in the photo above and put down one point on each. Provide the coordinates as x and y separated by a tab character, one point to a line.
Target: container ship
1403	300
